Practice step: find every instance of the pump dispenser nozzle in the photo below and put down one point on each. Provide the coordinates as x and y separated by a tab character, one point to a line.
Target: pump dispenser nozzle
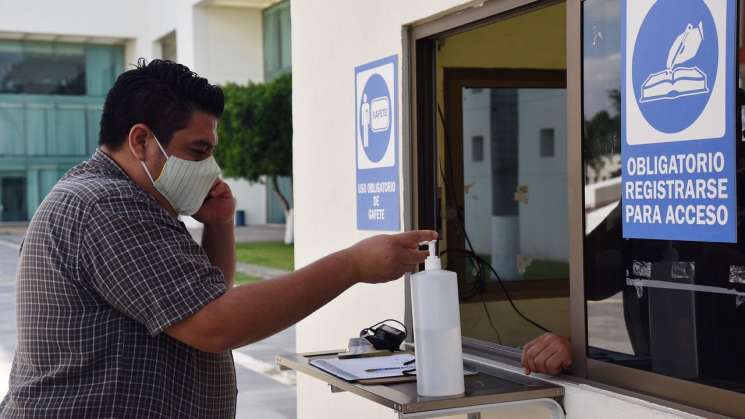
432	262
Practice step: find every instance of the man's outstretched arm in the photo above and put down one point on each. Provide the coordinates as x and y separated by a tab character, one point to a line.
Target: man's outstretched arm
251	312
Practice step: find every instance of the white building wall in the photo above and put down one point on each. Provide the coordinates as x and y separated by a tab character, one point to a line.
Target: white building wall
229	44
228	48
221	43
249	197
162	17
118	19
136	23
224	44
329	39
477	176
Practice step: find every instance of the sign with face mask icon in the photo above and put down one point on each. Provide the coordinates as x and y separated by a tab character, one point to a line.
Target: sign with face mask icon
376	145
678	61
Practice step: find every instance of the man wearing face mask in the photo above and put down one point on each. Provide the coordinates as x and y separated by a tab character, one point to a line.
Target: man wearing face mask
120	312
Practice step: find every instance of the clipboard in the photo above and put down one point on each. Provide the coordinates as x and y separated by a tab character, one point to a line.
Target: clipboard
367	368
395	368
389	380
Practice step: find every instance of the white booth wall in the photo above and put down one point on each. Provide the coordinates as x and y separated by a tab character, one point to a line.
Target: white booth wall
330	38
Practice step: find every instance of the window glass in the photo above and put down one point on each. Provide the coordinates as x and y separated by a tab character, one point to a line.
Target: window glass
168	45
691	335
277	40
547	142
285	37
478	148
103	65
271	42
42	68
506	195
500	174
12	198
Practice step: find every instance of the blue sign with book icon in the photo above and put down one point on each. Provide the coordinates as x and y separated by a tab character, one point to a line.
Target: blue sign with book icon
678	86
376	145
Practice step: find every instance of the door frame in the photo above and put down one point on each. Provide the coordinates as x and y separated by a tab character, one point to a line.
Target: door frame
14	175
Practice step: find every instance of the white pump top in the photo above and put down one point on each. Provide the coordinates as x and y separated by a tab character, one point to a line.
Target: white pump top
432	263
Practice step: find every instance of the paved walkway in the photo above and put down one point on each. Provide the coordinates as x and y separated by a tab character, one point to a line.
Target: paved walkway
258	271
248	234
263	391
13	229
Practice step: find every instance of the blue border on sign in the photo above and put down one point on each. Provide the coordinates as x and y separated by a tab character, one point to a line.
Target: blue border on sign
700	233
387	173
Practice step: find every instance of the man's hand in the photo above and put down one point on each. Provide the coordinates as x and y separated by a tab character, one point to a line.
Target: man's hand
218	238
547	354
267	307
384	258
219	207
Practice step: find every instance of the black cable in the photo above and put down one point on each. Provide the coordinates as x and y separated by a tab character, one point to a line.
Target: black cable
459	215
472	253
478	288
480	284
488	317
501	284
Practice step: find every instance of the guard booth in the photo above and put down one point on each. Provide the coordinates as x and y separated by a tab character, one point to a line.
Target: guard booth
588	151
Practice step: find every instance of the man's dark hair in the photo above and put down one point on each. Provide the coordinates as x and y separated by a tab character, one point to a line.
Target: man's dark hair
160	94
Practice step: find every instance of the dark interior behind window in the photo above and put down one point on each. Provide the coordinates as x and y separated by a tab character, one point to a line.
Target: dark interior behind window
42	68
690	335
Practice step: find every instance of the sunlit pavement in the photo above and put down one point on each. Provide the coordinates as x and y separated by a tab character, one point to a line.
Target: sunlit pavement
263	391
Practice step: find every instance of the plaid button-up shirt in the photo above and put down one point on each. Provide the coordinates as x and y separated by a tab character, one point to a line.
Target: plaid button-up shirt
104	270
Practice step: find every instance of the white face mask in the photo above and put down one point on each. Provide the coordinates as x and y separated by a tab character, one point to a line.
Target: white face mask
185	183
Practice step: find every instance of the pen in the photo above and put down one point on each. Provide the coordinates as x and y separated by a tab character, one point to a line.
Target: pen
405	365
387	369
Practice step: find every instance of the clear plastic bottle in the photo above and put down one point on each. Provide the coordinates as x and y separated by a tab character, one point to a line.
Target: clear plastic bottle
437	341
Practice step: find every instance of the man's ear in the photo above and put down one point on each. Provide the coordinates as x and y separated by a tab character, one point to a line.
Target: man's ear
137	141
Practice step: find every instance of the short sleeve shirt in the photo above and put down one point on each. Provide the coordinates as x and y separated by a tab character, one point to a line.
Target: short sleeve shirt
103	271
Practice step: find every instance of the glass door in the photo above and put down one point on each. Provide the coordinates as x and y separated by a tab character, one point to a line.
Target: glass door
13	199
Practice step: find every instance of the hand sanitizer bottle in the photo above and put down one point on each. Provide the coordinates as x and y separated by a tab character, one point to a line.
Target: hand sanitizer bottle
437	341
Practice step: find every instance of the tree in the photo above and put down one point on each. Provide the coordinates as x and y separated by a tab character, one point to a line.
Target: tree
602	132
255	135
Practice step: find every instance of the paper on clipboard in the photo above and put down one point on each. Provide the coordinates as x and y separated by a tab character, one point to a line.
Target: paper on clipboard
359	368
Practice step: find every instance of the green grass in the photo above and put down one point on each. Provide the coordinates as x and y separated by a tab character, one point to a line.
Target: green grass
270	254
547	269
241	278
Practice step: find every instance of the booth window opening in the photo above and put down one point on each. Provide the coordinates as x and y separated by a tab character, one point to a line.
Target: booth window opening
496	180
